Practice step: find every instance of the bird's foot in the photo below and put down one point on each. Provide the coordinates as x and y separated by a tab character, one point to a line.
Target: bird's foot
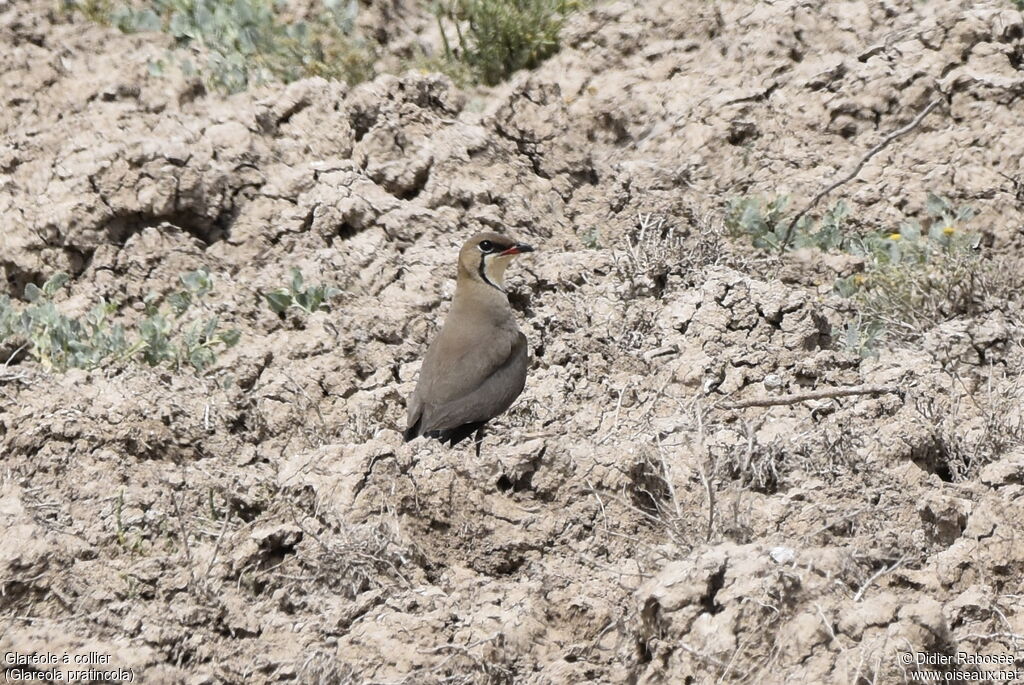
479	439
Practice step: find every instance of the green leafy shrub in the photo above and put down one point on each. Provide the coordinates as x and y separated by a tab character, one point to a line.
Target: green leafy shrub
59	342
166	336
860	336
912	279
93	10
235	44
916	278
766	224
55	340
296	294
494	38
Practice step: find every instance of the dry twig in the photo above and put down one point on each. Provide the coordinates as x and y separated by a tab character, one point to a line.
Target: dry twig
878	574
812	395
705	479
881	145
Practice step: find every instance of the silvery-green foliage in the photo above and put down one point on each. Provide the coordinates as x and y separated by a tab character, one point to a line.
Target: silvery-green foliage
297	294
860	336
55	340
59	342
912	278
234	44
767	223
166	336
763	223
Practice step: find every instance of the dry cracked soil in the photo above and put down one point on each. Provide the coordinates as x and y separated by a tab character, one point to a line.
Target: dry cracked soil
638	516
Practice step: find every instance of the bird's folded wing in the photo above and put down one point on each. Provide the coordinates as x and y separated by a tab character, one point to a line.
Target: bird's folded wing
493	396
474	384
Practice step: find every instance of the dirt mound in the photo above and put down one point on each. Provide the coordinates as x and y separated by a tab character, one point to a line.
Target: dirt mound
653	508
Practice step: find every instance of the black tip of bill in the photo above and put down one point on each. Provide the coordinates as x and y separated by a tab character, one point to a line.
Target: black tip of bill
518	248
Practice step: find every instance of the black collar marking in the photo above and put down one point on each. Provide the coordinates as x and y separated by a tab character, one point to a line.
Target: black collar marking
483	274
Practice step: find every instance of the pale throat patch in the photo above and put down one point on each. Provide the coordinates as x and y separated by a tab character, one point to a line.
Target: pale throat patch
494	268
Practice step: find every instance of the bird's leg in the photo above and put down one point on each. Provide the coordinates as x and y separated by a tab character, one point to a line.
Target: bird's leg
479	438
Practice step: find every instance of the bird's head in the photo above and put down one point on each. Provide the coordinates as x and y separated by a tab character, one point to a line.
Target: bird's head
485	257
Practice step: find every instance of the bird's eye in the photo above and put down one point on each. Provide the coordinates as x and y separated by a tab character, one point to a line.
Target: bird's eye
486	246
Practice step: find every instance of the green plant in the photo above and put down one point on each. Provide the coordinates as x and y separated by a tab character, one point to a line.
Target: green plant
119	524
296	294
495	38
916	277
121	532
239	43
59	342
195	341
93	10
55	340
860	336
591	238
765	224
912	279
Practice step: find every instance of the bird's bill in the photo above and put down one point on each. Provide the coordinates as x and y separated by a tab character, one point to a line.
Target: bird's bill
518	248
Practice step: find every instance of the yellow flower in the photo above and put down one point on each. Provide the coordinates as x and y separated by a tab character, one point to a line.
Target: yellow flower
949	230
859	278
894	236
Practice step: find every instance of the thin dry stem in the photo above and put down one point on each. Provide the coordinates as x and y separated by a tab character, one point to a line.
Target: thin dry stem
881	145
876	575
812	395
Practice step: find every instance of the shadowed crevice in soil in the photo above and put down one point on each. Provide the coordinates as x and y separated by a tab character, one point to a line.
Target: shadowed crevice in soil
18	277
121	228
